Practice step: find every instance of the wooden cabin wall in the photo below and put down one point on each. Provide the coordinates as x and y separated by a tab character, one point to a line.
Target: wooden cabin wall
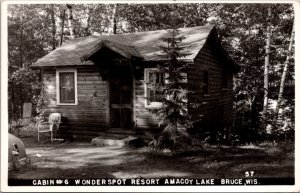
217	104
89	117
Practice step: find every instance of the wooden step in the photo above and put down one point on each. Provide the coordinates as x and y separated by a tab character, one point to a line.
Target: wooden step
121	131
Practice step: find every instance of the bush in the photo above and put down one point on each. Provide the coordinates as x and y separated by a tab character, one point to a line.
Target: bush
175	141
14	127
28	131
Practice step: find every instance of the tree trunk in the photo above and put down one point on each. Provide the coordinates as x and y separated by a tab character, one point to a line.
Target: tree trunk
266	68
63	17
21	100
13	114
112	19
21	37
199	12
86	29
21	48
114	23
285	69
70	21
53	27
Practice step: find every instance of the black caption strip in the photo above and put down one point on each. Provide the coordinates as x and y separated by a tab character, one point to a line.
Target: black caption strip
152	182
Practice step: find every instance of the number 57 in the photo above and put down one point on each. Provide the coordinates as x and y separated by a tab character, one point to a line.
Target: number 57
249	173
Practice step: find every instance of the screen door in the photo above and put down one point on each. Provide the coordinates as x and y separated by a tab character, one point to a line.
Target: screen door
121	88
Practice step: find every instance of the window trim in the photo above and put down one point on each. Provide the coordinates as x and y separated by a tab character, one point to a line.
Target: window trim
146	79
58	85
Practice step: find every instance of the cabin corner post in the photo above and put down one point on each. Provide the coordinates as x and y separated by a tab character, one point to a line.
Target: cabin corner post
189	65
132	66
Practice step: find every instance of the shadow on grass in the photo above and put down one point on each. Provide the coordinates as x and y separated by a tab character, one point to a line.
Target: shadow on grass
86	161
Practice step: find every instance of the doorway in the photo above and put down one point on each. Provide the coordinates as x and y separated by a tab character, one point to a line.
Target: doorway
121	97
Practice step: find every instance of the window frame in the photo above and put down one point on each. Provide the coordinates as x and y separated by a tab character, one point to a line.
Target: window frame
146	79
58	86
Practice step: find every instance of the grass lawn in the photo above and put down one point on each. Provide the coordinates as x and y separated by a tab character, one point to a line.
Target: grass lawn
82	160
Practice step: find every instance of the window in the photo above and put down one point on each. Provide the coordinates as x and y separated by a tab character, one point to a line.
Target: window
205	82
66	87
153	78
224	78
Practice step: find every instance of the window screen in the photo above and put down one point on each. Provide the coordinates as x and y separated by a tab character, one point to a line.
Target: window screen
154	78
67	87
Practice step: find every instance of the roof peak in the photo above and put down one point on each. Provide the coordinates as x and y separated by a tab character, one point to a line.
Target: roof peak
183	29
107	36
208	26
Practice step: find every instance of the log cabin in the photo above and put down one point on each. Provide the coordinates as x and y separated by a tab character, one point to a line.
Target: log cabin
98	83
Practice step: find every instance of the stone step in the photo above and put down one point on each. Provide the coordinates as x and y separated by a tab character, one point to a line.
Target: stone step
129	141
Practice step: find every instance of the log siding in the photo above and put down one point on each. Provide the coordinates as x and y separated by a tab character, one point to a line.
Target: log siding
217	103
89	116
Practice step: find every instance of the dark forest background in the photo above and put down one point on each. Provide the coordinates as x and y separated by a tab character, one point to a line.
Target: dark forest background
256	36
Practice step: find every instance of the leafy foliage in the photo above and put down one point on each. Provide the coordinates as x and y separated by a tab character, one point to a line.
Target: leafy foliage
242	28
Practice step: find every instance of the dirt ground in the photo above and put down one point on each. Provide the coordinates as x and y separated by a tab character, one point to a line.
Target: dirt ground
83	160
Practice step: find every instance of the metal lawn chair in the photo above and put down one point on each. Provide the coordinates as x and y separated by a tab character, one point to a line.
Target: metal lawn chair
51	127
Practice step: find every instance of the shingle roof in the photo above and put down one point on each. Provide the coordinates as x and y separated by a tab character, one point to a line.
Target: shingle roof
145	45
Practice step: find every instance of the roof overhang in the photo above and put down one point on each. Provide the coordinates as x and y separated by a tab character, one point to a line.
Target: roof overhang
84	63
127	51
